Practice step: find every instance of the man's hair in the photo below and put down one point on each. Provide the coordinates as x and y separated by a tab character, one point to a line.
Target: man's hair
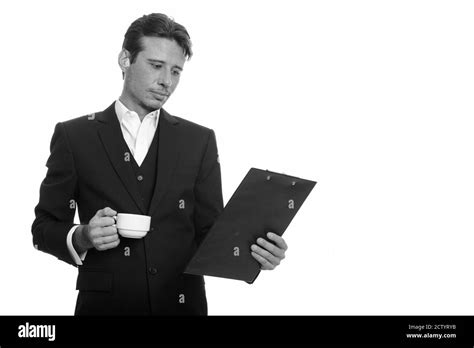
157	25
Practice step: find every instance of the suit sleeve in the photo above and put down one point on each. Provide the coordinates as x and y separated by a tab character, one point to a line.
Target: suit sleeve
208	190
57	202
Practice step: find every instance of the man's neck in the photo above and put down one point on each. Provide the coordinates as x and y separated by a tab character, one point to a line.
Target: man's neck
133	107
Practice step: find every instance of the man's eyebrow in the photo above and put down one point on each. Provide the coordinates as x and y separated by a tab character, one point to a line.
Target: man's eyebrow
151	60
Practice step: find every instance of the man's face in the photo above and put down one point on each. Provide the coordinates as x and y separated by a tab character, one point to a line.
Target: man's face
154	75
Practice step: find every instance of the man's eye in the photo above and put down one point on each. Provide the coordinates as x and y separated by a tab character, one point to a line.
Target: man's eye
157	66
176	72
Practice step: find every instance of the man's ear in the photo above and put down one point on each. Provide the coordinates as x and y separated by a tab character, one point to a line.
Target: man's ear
124	60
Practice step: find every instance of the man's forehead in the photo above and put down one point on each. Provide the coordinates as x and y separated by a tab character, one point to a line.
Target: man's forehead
152	46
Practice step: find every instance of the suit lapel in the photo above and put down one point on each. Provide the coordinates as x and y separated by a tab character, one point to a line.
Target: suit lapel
111	136
168	154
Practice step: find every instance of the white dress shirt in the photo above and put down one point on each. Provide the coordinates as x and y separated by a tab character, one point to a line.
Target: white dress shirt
138	135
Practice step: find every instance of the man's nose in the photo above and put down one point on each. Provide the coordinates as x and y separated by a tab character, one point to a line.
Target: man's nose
165	79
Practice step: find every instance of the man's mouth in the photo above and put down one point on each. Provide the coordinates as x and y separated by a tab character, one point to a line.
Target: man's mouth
160	95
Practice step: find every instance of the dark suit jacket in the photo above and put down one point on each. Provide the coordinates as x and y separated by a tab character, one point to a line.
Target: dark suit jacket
87	164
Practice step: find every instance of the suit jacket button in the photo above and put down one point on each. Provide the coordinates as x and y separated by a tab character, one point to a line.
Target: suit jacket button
152	270
140	177
152	228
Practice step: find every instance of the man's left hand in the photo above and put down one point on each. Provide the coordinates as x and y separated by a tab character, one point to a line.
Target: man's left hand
269	254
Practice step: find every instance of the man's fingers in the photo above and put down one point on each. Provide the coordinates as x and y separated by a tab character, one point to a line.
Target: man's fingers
104	217
107	246
265	254
107	239
274	250
105	212
107	242
101	212
265	265
279	241
101	232
107	231
104	221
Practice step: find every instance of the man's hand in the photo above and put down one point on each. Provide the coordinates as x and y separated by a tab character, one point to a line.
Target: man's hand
98	234
269	254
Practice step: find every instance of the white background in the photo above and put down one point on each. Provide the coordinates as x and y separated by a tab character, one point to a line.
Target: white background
372	99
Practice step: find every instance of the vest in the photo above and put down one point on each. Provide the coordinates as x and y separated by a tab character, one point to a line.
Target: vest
146	173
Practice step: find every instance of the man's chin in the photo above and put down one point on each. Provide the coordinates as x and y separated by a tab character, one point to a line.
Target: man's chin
155	105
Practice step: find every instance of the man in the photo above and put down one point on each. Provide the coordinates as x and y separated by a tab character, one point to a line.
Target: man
134	157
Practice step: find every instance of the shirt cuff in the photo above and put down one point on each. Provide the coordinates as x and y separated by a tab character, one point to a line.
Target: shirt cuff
75	256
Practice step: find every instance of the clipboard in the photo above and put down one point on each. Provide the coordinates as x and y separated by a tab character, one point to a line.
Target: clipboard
264	202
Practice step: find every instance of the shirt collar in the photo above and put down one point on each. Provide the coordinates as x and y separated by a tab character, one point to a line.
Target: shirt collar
123	112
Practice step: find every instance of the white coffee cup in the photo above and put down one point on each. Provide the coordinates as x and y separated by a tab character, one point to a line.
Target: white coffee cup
132	225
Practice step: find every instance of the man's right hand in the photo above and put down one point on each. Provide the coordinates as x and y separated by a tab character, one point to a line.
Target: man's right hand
99	233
